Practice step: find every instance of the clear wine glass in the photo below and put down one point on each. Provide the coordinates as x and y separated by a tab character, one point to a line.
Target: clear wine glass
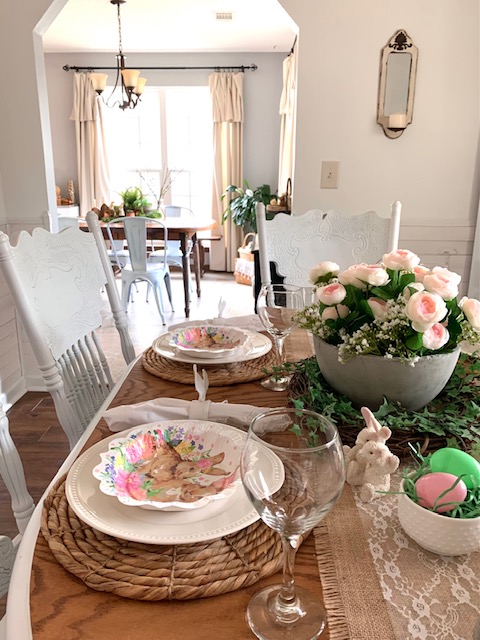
307	449
277	305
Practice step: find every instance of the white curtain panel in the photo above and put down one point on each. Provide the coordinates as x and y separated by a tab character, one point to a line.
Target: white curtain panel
226	90
474	280
287	122
93	177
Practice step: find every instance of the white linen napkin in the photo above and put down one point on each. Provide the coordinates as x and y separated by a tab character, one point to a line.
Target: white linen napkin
129	416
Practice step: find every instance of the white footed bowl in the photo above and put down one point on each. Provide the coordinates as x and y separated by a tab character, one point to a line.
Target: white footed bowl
434	532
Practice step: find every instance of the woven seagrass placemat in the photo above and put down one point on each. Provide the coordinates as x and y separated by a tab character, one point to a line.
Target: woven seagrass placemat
218	375
157	572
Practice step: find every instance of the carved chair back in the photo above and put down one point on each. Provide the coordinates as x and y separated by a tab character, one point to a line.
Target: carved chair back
55	280
296	243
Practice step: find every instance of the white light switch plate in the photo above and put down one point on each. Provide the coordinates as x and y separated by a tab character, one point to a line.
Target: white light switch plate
329	178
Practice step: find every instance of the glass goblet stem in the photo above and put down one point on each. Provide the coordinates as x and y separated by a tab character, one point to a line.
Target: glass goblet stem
279	350
285	606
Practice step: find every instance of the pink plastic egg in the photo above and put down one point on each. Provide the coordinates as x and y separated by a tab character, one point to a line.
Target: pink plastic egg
431	485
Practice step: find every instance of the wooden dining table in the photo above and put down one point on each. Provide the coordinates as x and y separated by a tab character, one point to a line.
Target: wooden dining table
184	230
376	584
47	602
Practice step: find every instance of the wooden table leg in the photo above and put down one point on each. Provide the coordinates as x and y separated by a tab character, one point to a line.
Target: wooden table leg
185	271
196	263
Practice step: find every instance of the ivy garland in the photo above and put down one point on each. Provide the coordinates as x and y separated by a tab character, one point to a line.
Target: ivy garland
453	415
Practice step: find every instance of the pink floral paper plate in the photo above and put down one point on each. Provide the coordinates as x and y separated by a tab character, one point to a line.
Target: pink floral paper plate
172	466
208	341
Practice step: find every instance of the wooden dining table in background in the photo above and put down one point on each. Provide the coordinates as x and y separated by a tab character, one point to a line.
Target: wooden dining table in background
184	230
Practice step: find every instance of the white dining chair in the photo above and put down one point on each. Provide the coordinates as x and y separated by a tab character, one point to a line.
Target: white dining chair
140	267
13	476
66	221
296	243
55	281
174	252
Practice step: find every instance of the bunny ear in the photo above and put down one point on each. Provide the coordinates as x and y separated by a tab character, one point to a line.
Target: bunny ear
371	421
367	416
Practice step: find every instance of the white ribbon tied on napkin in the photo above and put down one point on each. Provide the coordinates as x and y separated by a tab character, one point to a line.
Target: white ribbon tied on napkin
129	416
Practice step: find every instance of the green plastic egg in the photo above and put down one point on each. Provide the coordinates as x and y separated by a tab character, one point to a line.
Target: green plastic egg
457	463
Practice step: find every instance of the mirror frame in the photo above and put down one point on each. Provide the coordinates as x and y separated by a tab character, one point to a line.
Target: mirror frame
400	42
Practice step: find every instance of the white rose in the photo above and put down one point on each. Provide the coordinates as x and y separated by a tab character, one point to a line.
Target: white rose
372	274
333	313
378	307
451	275
420	272
359	275
349	277
343	310
401	260
435	337
320	270
442	282
329	313
471	310
418	286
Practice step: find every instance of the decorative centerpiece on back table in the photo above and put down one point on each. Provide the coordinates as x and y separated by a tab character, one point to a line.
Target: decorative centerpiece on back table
389	330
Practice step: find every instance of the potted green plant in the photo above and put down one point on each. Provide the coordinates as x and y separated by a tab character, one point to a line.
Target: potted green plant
241	207
134	200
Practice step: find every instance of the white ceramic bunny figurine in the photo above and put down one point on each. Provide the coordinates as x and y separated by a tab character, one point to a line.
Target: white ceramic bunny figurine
379	463
373	432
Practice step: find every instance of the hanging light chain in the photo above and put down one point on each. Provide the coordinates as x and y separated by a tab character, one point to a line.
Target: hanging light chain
120	46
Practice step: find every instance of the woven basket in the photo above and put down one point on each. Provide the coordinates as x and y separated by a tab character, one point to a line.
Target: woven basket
244	269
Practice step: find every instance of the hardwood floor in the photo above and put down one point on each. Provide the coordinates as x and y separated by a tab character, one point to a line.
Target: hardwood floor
34	427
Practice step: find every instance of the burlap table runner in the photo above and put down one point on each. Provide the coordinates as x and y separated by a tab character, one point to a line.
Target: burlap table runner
378	584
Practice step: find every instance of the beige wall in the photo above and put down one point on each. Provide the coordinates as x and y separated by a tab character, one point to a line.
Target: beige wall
433	167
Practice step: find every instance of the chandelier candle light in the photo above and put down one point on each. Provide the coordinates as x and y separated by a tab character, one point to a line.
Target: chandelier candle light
132	86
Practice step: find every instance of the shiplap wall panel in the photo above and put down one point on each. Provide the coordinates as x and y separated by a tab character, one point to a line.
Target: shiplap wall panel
12	382
449	246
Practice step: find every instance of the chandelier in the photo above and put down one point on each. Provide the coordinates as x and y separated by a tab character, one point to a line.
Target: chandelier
127	80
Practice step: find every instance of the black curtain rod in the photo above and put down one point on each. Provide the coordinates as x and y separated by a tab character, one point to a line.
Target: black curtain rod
252	67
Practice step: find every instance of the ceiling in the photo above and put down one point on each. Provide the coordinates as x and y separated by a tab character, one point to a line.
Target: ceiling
171	26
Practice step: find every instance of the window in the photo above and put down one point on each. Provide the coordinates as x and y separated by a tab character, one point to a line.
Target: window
170	128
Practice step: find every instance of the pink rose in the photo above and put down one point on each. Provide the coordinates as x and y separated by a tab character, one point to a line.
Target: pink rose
420	272
333	313
401	260
378	307
471	310
320	270
435	337
451	275
343	310
359	275
407	293
331	293
349	277
425	309
442	282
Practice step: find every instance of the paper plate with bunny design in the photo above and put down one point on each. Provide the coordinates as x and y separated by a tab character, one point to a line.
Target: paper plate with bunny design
175	465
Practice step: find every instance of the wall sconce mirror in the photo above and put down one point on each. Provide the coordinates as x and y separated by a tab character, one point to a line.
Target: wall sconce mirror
398	70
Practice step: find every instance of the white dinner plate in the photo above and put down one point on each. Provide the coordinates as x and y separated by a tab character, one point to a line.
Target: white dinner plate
257	345
107	514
